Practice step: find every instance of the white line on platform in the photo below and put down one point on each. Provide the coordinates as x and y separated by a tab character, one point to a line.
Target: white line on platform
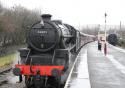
68	79
83	67
82	79
116	63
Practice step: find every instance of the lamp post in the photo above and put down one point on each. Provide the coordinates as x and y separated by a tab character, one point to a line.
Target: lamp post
121	30
105	45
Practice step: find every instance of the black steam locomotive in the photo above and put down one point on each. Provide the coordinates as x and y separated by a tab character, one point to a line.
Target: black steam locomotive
112	39
50	44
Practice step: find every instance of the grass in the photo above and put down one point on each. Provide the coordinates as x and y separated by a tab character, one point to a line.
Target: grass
7	60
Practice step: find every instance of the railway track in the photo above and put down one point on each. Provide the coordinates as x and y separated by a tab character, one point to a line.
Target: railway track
6	70
3	75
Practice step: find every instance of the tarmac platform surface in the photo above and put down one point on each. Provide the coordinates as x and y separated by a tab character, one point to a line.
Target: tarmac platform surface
93	69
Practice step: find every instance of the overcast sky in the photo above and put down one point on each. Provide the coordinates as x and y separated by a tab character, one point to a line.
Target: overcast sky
77	12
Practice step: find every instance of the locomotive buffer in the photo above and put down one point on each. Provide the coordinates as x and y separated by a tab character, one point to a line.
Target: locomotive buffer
79	75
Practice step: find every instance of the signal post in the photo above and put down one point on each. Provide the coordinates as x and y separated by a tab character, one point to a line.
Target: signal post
105	44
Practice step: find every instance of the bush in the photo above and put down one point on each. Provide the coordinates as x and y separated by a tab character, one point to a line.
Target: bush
121	42
13	26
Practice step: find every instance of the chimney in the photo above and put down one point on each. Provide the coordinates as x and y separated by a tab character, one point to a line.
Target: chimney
46	17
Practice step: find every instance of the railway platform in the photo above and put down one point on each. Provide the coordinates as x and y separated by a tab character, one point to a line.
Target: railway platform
106	71
94	69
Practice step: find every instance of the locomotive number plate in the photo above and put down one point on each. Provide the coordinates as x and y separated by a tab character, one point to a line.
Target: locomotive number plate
42	32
